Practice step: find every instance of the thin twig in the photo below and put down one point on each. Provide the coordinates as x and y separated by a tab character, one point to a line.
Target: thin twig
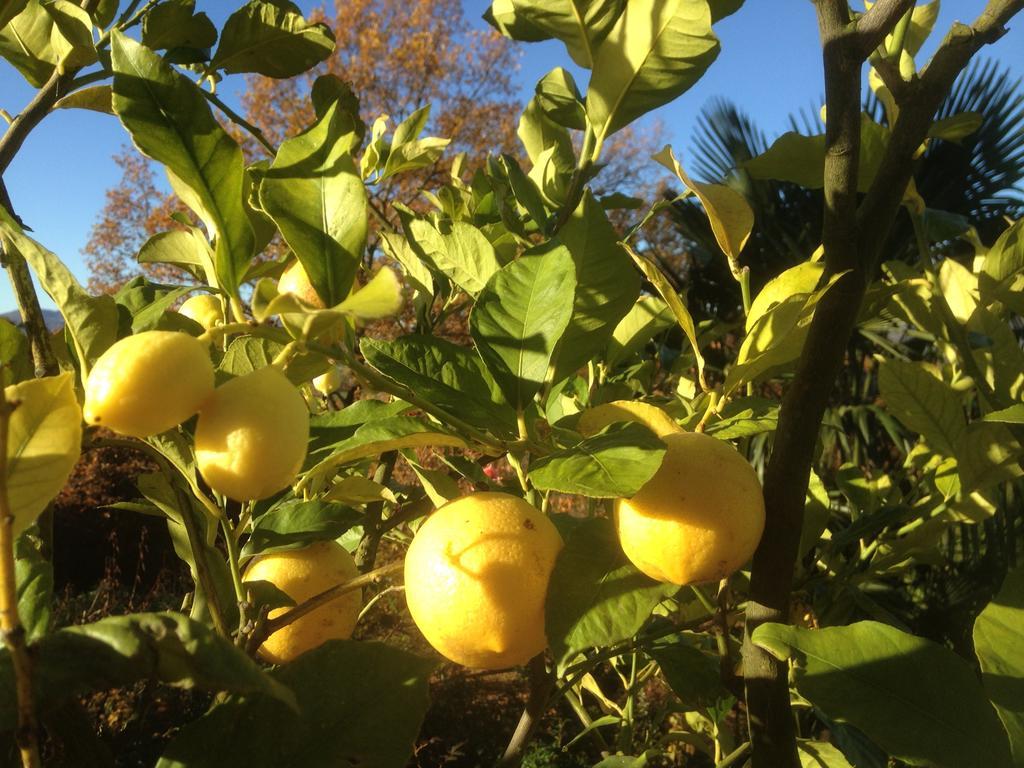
240	121
877	22
27	735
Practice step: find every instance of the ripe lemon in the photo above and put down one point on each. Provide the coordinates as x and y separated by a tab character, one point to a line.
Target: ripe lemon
148	383
295	281
252	435
204	308
302	574
593	420
699	518
476	576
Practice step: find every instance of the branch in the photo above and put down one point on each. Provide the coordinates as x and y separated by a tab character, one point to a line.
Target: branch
541	684
43	360
879	21
10	623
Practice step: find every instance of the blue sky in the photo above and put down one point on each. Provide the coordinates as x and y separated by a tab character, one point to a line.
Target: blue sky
770	65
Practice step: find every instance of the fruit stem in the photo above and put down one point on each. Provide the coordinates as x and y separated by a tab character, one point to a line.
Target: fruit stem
10	623
541	684
231	545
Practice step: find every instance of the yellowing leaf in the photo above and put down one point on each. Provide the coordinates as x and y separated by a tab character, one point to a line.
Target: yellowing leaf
44	440
732	218
381	297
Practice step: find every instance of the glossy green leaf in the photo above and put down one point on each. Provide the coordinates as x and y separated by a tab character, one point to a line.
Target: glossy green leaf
71	36
314	194
1012	415
361	703
692	674
956	127
924	404
607	286
502	15
296	523
34	576
988	455
613	464
44	440
123	650
999	644
98	98
271	38
596	597
380	297
14	355
519	318
820	754
648	317
675	303
184	248
656	51
580	24
175	24
459	251
451	377
246	354
916	699
558	96
10	9
26	42
169	121
803	278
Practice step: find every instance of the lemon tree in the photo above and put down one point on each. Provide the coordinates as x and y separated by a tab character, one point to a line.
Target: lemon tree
726	529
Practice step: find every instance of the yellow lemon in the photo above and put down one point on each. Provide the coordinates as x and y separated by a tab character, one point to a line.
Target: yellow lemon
205	309
295	281
148	383
476	576
699	518
252	435
302	574
593	420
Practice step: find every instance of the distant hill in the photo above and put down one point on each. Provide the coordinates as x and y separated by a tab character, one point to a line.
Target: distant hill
53	318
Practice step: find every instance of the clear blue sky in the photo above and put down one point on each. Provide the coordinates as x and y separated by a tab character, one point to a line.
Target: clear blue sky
770	65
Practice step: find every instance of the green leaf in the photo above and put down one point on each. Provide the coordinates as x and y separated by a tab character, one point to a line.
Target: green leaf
803	278
361	703
675	303
1012	415
776	338
607	286
10	9
380	297
270	37
648	317
580	24
596	598
999	643
92	321
615	463
744	417
693	675
26	42
656	51
988	455
14	355
185	248
246	354
296	523
956	127
175	24
558	96
98	98
71	36
449	376
169	121
722	8
459	251
44	440
820	754
923	404
123	650
34	576
917	700
519	318
731	217
314	194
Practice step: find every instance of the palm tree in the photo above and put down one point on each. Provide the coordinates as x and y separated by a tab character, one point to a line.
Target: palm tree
978	180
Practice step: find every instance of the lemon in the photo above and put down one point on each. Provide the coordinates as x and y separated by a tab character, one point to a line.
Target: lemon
476	576
593	420
295	281
699	518
252	435
148	383
302	574
205	309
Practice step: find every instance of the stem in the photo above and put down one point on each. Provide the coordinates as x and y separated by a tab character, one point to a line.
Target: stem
10	623
43	360
366	552
240	121
296	613
737	757
231	544
541	684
